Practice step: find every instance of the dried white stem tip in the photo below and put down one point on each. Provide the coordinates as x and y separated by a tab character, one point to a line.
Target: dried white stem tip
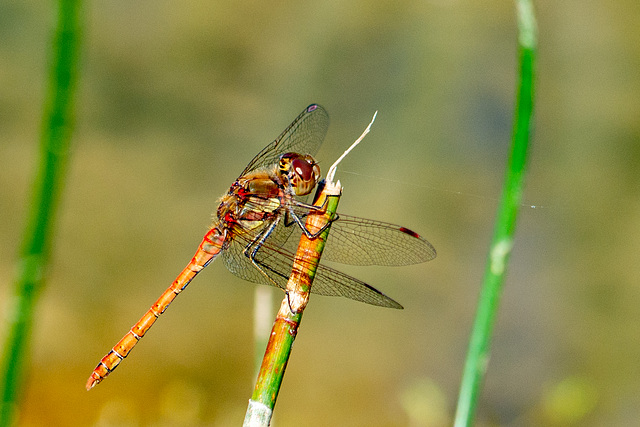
332	170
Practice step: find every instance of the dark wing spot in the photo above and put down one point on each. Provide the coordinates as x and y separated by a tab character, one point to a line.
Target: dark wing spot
410	232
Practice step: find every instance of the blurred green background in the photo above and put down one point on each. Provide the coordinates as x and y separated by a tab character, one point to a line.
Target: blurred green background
176	97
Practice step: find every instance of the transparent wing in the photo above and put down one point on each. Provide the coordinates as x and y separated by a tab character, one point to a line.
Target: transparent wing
304	136
360	241
277	261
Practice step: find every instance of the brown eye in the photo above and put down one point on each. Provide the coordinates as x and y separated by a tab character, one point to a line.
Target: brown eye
303	168
300	172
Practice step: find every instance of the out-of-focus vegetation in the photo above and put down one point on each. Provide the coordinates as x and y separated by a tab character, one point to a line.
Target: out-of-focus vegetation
175	99
48	182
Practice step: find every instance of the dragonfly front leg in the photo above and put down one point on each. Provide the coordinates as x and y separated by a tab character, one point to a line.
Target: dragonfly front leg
297	219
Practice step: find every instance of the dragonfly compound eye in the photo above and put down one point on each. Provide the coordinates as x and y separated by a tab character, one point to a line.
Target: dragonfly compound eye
302	172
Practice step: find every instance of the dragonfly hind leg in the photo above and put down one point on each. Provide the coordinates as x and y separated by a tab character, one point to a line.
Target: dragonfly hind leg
252	249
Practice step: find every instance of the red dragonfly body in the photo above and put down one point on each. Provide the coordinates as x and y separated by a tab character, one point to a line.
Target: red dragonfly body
258	224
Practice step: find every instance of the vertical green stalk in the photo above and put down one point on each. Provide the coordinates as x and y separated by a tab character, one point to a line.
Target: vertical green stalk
478	353
34	251
285	328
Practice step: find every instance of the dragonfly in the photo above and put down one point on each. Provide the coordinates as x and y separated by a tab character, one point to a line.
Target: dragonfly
259	221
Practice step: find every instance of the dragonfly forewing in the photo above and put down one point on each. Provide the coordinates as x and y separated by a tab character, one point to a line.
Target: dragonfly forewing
304	135
360	241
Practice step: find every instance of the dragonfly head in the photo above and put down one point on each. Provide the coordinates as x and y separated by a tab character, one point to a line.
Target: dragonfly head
300	172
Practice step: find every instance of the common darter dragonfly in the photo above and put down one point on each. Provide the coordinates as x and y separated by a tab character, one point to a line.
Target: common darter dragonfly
257	228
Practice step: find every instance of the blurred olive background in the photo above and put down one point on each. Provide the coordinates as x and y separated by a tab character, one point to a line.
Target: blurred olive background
174	100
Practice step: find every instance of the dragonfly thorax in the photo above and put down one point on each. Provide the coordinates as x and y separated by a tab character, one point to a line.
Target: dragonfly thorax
258	197
300	172
250	200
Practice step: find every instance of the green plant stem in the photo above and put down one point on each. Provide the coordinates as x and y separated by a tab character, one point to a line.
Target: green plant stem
502	242
285	328
48	183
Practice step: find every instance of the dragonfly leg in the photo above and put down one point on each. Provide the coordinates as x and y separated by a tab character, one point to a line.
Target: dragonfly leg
252	249
318	209
289	303
297	219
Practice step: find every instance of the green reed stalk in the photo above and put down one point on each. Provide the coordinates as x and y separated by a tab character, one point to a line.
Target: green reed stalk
48	183
285	328
502	242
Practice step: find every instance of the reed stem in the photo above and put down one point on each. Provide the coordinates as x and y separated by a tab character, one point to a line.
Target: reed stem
479	347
